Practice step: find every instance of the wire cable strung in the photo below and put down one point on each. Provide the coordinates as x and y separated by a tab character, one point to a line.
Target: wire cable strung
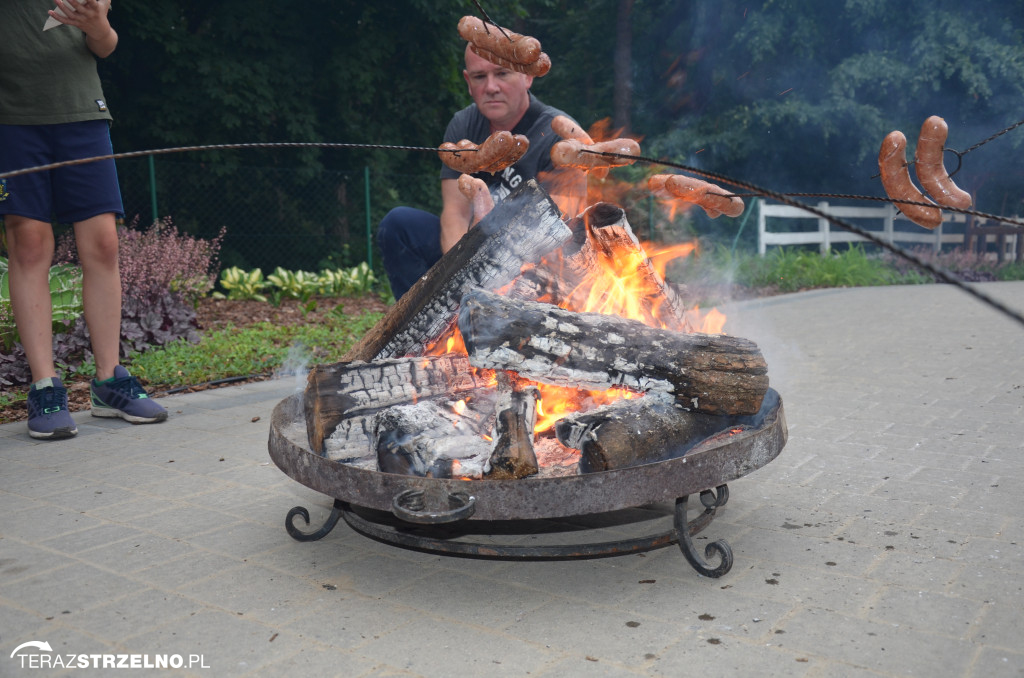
940	274
943	275
847	196
223	147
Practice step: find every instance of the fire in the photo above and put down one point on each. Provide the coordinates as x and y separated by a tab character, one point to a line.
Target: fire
557	401
661	256
711	322
451	342
620	286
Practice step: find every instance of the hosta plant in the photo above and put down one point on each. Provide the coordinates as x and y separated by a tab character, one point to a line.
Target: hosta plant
242	285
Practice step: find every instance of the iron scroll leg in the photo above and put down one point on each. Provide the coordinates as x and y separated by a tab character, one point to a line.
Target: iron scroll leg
711	500
323	531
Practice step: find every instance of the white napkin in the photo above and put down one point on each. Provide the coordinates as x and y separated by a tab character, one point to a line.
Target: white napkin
53	23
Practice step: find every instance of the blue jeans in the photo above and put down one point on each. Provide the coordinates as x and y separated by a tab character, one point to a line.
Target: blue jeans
410	243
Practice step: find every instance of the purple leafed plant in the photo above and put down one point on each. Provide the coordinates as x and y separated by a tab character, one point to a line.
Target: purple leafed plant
164	273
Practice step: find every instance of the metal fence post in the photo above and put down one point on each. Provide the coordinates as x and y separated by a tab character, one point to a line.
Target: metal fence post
369	238
152	188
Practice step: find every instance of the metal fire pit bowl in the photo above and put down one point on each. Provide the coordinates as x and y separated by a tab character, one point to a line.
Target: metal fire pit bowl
422	504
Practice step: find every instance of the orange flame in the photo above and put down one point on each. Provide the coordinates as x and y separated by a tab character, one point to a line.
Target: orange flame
661	256
557	401
626	286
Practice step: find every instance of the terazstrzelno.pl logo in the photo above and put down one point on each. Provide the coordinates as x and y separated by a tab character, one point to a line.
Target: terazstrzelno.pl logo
39	655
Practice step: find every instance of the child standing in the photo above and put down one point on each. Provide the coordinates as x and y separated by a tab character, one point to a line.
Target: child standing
52	109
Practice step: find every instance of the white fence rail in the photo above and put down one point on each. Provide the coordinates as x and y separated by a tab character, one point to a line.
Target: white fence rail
884	221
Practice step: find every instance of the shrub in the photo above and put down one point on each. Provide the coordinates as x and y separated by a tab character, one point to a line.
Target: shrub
968	265
164	273
159	260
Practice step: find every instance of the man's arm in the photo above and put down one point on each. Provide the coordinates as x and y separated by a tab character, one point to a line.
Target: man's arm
455	214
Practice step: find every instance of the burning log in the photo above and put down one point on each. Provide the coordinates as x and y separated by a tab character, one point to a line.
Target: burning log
560	272
519	230
635	431
612	239
513	455
603	241
714	374
353	392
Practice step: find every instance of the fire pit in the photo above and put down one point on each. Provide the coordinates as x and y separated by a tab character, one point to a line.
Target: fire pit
748	444
442	414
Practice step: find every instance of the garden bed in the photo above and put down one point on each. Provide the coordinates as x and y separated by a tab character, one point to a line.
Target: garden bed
214	314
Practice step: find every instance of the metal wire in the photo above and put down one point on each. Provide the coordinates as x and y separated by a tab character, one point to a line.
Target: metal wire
224	147
847	196
487	20
997	134
941	274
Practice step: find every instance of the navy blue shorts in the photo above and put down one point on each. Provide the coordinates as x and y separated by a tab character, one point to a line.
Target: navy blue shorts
68	194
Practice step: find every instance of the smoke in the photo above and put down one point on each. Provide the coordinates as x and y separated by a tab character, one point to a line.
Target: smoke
296	363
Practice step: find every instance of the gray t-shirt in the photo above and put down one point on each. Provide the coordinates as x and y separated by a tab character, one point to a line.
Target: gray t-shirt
46	77
535	125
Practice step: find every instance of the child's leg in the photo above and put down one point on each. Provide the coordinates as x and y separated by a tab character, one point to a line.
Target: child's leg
96	239
30	246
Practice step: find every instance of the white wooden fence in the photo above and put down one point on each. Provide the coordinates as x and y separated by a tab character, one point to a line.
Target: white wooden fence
884	221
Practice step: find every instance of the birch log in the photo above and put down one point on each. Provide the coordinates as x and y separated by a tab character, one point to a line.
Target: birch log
710	373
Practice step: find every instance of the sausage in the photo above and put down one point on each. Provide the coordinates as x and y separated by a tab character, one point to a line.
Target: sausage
892	161
567	128
497	152
503	43
466	163
574	153
931	172
510	151
713	199
493	149
537	69
478	195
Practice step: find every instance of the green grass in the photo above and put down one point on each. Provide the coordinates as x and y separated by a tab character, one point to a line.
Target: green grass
260	349
791	270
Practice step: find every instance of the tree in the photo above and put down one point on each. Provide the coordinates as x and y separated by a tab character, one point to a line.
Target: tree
797	94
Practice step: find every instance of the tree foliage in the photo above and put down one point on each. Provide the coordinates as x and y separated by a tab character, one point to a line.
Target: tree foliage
798	94
795	95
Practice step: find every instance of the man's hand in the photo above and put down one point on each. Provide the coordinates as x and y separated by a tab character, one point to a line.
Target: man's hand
455	214
91	18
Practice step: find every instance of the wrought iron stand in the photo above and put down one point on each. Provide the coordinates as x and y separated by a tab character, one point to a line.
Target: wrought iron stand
409	507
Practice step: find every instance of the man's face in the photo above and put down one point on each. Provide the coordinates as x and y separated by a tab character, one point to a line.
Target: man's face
502	95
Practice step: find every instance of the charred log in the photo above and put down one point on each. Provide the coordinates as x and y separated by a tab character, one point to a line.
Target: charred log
513	455
714	374
519	230
636	431
560	272
428	440
351	390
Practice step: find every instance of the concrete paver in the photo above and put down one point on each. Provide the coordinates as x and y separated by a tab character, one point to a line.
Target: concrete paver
885	540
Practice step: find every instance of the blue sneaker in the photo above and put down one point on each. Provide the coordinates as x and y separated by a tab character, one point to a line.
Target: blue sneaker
123	396
48	414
